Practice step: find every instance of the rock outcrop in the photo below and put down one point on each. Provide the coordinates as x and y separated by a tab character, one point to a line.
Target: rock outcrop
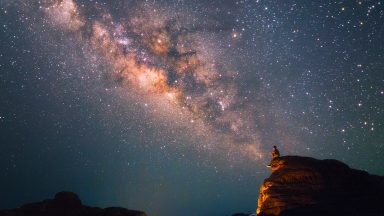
67	204
307	186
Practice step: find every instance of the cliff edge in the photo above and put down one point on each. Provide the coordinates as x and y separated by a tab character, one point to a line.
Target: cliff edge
307	186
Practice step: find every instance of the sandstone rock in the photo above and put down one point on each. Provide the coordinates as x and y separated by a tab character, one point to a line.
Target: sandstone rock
67	204
307	186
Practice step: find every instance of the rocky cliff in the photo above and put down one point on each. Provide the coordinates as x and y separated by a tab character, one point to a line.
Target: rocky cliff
67	204
307	186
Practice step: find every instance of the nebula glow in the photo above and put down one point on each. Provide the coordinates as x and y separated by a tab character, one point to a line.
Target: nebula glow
163	56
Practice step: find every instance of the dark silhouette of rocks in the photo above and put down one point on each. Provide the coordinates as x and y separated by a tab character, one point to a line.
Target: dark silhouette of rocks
307	186
240	214
67	204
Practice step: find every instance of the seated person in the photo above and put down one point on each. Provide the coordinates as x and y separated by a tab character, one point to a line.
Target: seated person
275	154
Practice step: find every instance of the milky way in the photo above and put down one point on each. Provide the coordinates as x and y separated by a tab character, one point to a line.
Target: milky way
168	57
177	103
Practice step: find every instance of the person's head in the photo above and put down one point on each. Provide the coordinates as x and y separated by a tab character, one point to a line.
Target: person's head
274	147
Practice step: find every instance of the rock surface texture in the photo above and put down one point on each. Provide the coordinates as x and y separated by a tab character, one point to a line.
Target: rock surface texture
67	204
307	186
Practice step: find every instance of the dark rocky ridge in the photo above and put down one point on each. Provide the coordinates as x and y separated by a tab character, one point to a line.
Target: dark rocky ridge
307	186
67	204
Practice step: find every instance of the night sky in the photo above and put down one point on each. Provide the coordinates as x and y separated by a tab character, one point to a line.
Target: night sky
172	107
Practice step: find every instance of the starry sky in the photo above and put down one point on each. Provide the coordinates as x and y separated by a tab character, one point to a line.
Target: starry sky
172	107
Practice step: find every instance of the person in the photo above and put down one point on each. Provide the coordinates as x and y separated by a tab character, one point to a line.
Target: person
275	154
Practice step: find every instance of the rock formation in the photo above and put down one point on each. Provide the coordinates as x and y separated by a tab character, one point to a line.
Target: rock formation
307	186
67	204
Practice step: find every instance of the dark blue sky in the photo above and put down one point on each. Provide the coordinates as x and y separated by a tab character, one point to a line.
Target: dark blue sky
172	107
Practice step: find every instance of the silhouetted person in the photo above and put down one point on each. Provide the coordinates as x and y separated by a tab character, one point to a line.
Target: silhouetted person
275	154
